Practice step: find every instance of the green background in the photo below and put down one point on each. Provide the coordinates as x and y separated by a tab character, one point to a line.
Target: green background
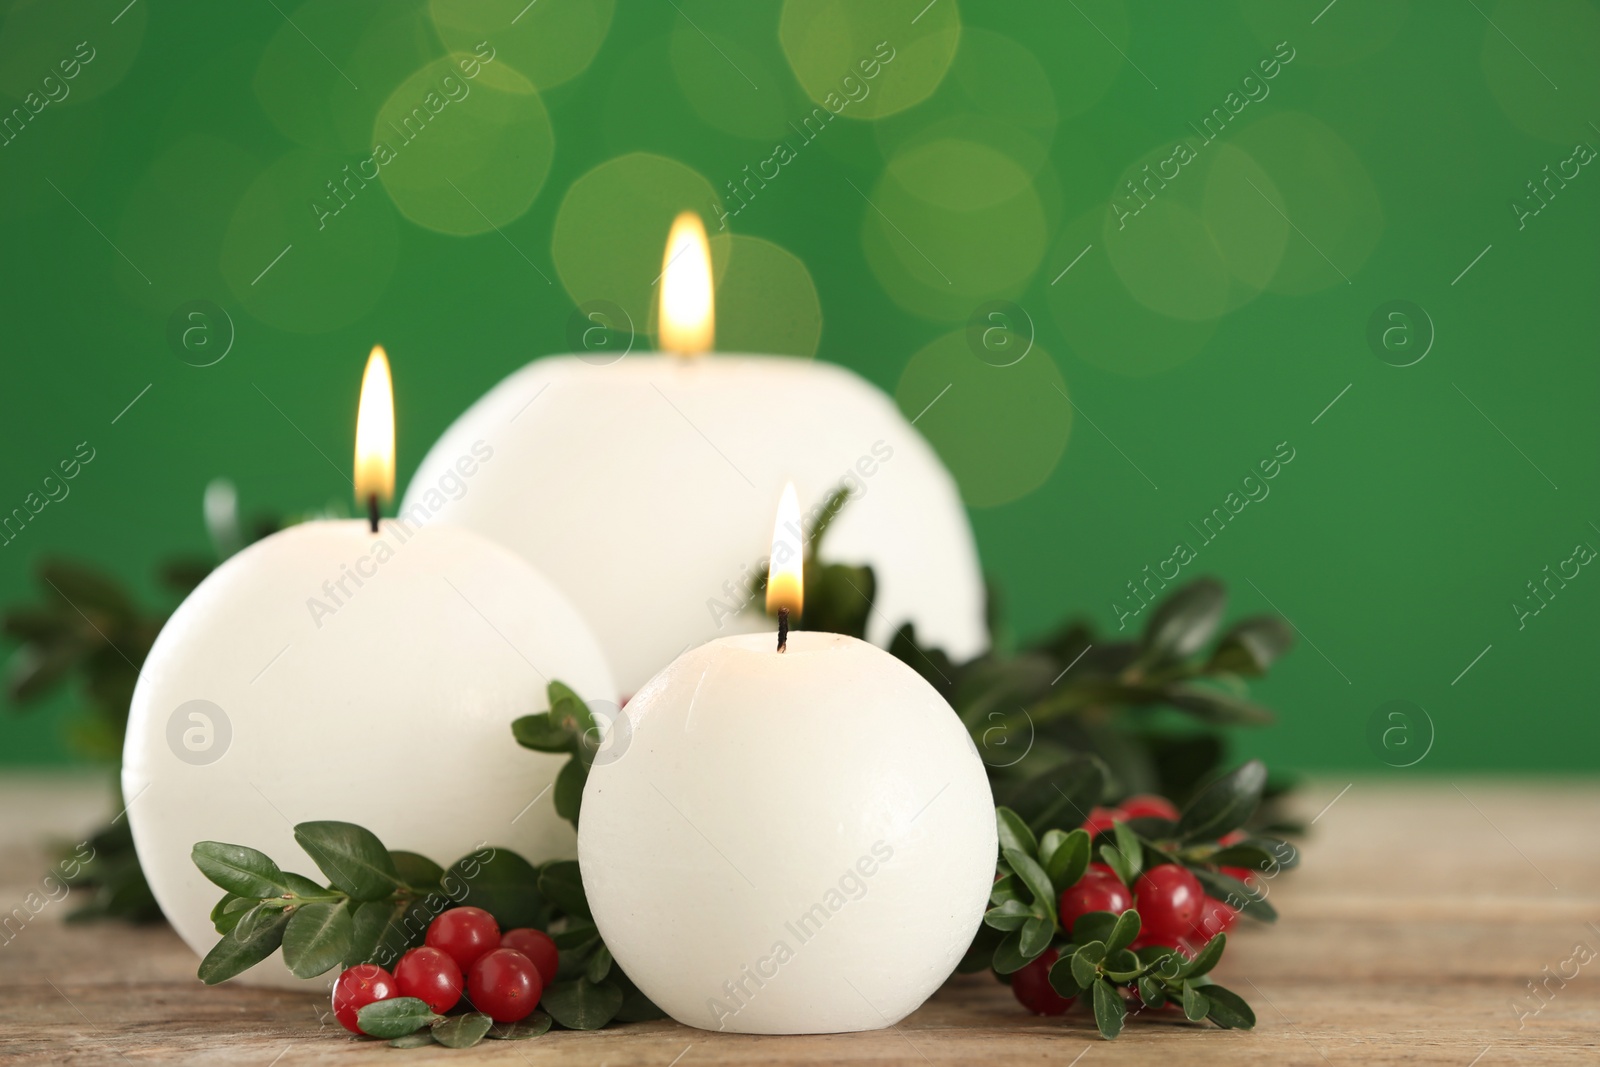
1386	156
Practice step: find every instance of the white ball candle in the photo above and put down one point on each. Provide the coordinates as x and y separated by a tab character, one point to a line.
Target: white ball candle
669	464
796	842
334	672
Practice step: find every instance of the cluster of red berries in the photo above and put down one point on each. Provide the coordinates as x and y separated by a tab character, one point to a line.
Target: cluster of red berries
1174	910
502	975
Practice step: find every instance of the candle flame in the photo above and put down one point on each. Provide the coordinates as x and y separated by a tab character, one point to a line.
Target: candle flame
785	569
375	432
688	317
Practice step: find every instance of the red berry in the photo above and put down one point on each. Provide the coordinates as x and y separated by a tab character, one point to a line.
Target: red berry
464	934
1149	806
1098	890
1232	837
1100	819
430	976
537	946
1031	986
504	985
1169	899
1215	917
356	988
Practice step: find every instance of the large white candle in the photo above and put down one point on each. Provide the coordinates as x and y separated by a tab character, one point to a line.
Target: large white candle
667	465
331	672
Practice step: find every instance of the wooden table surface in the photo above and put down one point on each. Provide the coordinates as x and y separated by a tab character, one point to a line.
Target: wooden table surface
1410	935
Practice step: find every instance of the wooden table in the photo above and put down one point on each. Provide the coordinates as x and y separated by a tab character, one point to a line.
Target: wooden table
1410	935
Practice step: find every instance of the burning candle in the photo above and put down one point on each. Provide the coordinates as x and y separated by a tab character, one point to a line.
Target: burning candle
355	671
670	462
798	838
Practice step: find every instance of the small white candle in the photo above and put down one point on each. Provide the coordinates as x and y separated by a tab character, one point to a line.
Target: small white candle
670	463
330	672
794	842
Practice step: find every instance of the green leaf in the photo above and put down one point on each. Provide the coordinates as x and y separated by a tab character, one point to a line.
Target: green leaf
1084	969
1132	849
260	914
1093	926
1014	833
979	955
317	938
416	1040
535	1025
1150	992
582	1004
1228	1009
1224	804
1062	979
1161	961
1195	1004
1008	916
568	792
1008	957
1119	863
1038	883
1235	894
1206	958
418	873
1252	645
542	734
1050	843
242	871
568	711
1215	706
1184	622
1005	888
1244	854
305	889
351	856
220	909
368	920
1109	1010
88	589
636	1007
562	884
503	884
462	1031
1124	931
1061	796
395	1017
576	935
234	954
1067	863
1036	936
599	964
1121	966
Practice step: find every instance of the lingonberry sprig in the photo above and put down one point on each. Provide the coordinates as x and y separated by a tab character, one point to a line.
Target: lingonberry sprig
1145	924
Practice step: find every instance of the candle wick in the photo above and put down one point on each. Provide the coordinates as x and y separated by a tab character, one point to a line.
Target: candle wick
783	629
372	511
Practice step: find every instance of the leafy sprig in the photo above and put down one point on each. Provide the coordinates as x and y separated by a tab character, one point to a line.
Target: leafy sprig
378	903
1095	958
568	727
